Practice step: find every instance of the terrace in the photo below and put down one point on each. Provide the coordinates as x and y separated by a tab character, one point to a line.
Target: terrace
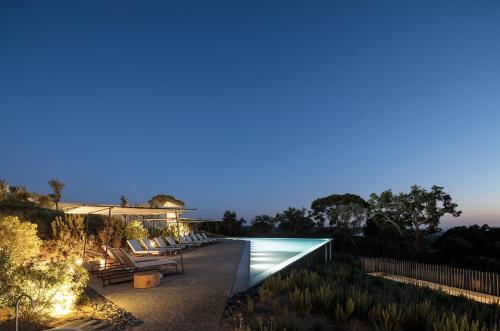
194	297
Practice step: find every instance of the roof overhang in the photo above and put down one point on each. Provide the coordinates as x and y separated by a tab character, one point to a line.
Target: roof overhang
119	210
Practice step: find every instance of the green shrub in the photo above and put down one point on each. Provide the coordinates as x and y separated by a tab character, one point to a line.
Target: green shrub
112	232
343	314
322	299
275	285
135	230
250	304
19	240
68	236
301	301
386	319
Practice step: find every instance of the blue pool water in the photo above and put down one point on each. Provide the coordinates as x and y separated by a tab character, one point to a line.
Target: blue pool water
270	255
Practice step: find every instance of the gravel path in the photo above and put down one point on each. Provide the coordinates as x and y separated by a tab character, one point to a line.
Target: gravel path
192	301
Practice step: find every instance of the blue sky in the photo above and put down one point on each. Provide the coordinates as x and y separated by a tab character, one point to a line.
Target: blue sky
252	105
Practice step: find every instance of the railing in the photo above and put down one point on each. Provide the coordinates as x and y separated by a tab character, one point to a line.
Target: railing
469	280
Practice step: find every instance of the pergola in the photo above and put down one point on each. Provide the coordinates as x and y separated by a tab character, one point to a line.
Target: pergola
167	214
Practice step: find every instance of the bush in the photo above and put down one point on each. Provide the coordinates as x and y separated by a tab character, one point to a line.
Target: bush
68	236
19	240
135	230
301	300
54	285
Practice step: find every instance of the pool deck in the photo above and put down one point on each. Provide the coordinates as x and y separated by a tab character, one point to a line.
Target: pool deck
191	301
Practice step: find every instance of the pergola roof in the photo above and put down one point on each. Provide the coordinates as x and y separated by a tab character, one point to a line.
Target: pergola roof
184	220
119	210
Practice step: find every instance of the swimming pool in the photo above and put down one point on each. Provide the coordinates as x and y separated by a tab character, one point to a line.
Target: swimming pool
270	255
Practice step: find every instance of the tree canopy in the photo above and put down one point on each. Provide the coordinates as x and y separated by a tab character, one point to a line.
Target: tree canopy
160	199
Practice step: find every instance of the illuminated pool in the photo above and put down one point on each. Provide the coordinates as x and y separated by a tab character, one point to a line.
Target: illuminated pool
269	255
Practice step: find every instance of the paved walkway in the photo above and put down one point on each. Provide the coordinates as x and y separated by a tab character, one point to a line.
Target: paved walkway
192	301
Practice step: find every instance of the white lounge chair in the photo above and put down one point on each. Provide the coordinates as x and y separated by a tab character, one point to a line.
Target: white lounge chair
172	242
142	265
148	243
163	245
187	241
203	235
196	240
137	249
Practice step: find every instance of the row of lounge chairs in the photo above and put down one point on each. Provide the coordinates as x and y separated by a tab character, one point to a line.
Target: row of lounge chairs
146	255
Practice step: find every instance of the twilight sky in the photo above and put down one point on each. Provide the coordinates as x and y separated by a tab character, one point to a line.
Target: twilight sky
252	105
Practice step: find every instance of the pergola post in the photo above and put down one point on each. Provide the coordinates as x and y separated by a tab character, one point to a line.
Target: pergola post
107	239
179	235
85	238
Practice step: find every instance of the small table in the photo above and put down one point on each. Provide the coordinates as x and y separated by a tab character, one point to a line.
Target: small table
146	279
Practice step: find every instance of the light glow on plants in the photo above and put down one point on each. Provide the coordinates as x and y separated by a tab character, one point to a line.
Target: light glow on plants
63	301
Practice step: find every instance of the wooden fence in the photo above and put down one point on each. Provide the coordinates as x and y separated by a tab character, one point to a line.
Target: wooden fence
468	280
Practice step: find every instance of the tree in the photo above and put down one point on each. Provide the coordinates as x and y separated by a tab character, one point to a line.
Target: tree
123	201
230	223
346	220
159	200
294	220
422	210
418	211
324	207
386	208
57	187
263	223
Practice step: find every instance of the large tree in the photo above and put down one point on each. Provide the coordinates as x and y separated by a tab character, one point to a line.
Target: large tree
230	223
160	199
294	221
57	188
263	223
324	208
346	221
418	211
123	201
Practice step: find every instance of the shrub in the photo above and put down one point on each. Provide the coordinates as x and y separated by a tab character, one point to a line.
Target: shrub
322	299
55	288
386	319
135	230
274	285
342	315
250	304
19	239
301	301
68	236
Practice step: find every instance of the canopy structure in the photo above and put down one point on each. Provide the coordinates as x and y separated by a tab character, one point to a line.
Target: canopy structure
170	213
106	210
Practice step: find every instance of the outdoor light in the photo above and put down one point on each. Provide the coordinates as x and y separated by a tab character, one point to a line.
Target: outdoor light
63	302
102	263
79	261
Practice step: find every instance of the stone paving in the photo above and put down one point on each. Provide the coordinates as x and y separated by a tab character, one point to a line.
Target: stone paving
191	301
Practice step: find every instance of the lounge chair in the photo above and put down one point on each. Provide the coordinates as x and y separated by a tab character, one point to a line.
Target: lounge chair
149	244
200	239
163	245
146	265
196	240
203	235
172	242
206	239
187	241
137	249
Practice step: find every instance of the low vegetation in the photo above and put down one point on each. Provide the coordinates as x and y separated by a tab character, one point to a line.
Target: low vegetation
340	296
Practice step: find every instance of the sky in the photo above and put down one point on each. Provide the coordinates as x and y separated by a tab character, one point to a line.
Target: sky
252	106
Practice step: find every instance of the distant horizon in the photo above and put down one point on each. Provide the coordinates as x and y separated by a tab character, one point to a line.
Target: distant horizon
252	106
447	222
